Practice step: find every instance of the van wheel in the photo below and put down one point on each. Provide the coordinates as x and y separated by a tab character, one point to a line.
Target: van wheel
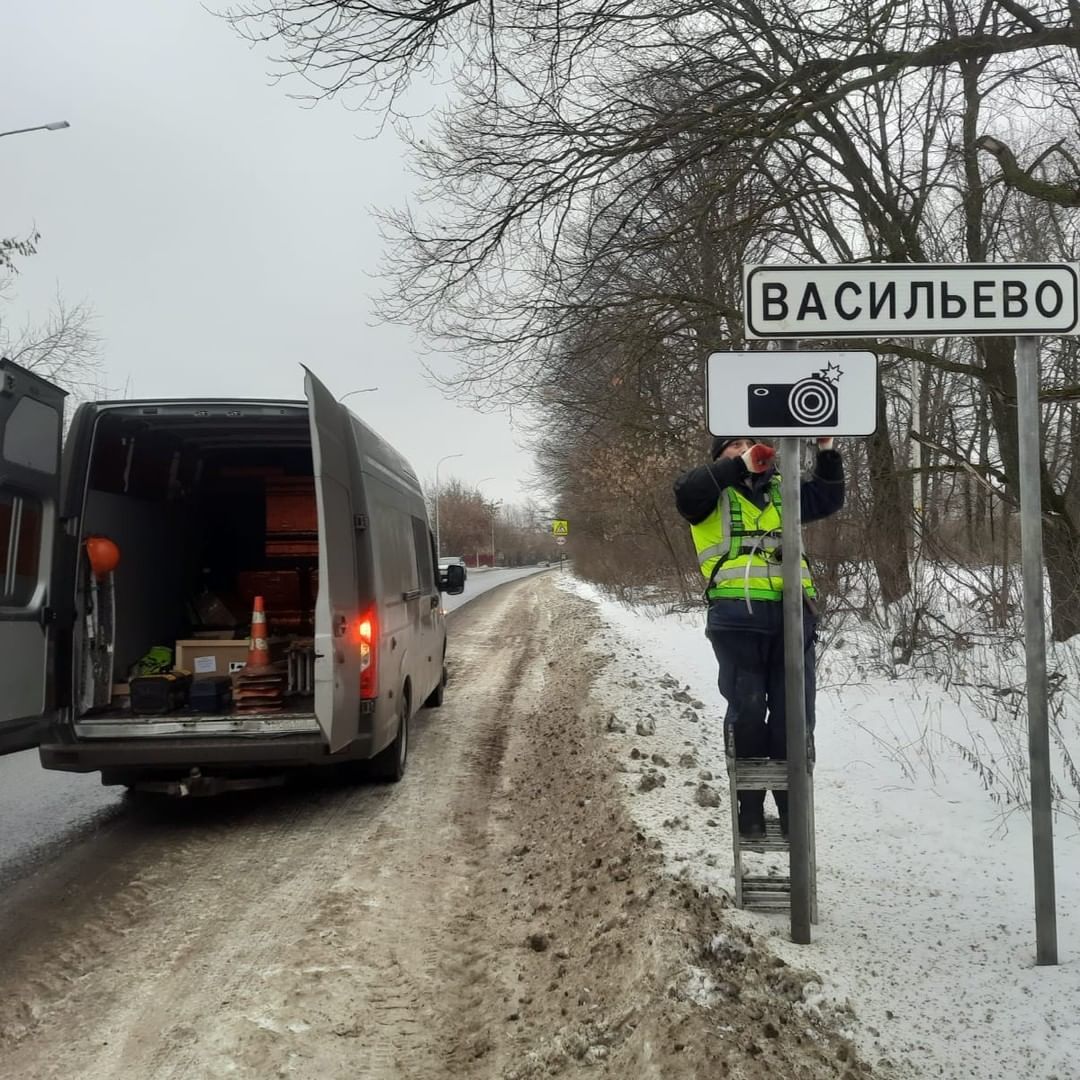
389	764
435	698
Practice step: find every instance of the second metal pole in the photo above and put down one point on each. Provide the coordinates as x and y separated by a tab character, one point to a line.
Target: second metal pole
795	692
1031	556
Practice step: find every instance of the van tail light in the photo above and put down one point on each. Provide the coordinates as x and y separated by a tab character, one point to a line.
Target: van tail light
365	638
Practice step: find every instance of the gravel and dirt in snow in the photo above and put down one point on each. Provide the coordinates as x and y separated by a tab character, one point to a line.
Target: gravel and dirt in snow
497	914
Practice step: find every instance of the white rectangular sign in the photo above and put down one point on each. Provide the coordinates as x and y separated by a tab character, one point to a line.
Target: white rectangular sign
901	300
791	393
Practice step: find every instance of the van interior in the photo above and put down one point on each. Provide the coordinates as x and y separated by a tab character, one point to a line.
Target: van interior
207	513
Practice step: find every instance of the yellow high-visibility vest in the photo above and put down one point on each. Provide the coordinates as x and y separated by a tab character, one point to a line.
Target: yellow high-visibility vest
738	544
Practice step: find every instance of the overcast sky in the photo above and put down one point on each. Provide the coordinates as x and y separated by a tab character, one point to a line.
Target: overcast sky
221	230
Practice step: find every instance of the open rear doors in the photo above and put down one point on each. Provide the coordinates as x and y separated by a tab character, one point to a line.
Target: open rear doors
337	656
31	425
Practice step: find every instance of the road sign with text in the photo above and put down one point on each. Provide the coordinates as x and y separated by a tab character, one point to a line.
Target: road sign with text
907	300
808	394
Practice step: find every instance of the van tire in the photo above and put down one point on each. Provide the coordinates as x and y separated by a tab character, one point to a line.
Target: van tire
389	765
435	698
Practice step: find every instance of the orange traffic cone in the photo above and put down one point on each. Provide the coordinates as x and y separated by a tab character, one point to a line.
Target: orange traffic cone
259	651
260	686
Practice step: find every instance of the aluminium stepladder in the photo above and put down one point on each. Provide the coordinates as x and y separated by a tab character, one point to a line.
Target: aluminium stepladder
766	892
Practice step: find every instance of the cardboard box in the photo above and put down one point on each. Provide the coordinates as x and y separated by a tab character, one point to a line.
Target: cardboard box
211	656
221	656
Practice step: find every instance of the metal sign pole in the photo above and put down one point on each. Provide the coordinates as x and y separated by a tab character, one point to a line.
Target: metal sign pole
1042	824
795	693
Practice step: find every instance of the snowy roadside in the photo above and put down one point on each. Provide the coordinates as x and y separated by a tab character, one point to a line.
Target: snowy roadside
926	938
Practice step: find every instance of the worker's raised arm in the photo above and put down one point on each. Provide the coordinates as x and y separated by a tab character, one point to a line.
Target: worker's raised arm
823	491
697	490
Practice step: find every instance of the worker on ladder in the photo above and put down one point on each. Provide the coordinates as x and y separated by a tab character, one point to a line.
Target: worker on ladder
734	509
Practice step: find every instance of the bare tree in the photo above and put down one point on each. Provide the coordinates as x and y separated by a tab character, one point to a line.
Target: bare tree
592	154
13	248
65	349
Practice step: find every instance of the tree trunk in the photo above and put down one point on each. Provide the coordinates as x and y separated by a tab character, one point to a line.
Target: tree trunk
886	542
1061	536
1061	545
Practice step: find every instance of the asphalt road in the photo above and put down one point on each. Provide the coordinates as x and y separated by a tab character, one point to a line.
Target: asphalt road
478	582
43	814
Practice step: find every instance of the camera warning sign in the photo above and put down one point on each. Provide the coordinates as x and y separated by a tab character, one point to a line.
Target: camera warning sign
791	393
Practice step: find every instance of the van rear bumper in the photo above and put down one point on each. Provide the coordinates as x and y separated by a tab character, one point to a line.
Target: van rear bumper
124	759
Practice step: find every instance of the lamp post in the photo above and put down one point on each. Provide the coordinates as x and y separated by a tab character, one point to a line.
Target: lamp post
56	125
438	538
362	390
494	511
494	508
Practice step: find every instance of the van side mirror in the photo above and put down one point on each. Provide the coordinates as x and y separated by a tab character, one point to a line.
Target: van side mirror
452	579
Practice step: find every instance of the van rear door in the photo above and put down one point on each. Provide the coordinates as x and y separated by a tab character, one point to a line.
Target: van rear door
31	425
337	656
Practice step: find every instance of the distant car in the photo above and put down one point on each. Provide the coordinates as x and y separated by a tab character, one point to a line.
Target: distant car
454	560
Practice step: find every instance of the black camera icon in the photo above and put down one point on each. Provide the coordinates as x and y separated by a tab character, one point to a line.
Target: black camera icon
810	402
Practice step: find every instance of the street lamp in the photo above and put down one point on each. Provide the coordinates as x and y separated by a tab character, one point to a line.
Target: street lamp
362	390
494	512
56	125
438	541
494	509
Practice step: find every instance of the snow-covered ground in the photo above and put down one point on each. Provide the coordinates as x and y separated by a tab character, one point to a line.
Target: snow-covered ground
925	946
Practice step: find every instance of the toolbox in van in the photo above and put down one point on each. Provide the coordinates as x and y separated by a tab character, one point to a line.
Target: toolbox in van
156	695
211	694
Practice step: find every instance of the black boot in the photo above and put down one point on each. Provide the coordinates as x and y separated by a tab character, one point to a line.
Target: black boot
782	811
752	815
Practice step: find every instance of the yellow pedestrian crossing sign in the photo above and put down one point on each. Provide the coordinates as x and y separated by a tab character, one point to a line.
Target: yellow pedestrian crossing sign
560	528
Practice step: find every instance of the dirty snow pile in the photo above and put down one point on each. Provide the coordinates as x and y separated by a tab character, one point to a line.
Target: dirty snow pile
926	942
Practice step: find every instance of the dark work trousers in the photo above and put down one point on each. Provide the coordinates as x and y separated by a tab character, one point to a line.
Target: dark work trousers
751	679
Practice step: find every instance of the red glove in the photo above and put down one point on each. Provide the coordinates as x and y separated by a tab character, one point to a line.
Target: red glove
759	457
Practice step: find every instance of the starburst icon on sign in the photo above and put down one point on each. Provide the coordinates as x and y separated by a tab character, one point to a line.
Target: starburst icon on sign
830	373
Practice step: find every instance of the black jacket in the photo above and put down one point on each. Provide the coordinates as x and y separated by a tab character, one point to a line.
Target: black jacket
696	495
698	490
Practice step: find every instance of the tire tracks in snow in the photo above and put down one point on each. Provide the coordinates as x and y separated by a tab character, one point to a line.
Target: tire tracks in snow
497	916
327	932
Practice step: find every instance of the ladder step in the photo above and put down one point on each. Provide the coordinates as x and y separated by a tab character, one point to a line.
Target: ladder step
774	839
753	774
766	893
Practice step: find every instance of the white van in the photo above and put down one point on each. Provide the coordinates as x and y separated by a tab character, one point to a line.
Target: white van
208	503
